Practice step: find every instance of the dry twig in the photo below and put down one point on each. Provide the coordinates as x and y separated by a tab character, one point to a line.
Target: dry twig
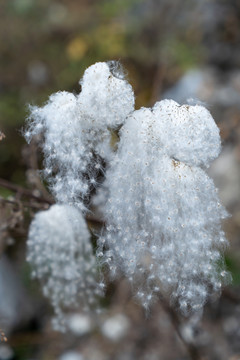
192	349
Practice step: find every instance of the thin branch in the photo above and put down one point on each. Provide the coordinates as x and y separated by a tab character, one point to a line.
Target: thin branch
33	165
45	201
191	348
25	204
157	83
25	192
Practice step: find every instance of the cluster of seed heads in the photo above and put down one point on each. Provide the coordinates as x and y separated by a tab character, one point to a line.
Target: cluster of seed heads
162	212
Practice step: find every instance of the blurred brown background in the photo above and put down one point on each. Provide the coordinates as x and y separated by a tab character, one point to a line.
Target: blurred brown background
177	49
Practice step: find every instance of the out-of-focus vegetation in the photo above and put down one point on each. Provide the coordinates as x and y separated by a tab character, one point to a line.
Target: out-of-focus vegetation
46	45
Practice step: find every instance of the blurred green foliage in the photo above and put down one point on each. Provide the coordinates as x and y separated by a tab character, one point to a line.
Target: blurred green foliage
232	262
112	8
46	45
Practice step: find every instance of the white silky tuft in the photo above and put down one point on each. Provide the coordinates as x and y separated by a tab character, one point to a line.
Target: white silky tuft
105	99
77	133
188	133
163	215
60	252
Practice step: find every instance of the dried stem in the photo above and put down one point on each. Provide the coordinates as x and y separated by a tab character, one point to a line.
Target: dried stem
36	206
41	202
191	348
21	191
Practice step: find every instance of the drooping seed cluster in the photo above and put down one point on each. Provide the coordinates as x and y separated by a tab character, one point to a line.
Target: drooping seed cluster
60	252
76	131
163	216
163	212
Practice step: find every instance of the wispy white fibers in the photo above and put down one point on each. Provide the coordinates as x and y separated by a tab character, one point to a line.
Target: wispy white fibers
60	252
76	131
106	98
188	133
163	213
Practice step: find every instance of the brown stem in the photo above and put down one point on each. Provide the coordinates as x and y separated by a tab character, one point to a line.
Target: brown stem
33	165
24	192
157	83
26	204
191	348
45	201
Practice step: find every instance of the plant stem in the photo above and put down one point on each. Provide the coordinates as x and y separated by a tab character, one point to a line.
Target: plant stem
191	348
21	191
41	202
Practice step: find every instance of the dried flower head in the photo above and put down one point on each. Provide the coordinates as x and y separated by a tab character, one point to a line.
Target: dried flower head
163	216
60	252
76	132
163	213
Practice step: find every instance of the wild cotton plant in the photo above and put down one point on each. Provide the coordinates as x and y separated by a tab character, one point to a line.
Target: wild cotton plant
161	210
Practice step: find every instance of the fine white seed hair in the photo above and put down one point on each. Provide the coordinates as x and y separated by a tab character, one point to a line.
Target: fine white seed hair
188	133
163	216
76	132
106	97
163	213
65	154
60	253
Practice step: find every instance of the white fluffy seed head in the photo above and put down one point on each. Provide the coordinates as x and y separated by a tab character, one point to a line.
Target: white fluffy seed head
163	214
66	154
188	133
52	114
60	252
75	130
106	97
162	210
